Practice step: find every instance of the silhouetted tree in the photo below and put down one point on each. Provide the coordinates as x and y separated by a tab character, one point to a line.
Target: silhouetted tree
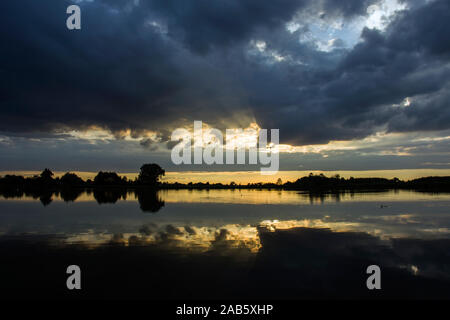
150	174
71	179
108	178
47	174
12	180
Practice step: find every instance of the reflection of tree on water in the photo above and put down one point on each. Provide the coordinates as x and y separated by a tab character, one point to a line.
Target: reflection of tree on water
149	200
12	193
333	196
322	196
46	198
70	194
109	195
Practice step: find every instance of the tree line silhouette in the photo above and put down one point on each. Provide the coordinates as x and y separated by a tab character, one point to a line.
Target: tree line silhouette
106	187
150	178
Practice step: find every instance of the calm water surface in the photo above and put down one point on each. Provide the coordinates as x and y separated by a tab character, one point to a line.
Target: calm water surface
282	244
90	216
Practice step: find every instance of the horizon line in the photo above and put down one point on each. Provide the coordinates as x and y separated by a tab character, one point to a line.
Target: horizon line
252	176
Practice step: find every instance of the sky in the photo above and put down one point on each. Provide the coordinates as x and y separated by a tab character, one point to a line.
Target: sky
352	85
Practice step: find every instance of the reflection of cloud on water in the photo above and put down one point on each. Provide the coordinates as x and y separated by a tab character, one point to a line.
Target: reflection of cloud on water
386	233
441	231
273	225
204	238
190	237
148	229
400	219
276	259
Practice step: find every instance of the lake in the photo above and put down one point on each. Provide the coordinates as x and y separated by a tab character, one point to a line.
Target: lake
226	244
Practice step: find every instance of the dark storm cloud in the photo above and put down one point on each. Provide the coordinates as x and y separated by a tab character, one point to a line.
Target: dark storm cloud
149	144
204	25
428	113
409	59
52	77
155	65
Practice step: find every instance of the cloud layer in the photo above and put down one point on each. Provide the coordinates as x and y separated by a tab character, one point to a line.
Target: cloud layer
151	66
